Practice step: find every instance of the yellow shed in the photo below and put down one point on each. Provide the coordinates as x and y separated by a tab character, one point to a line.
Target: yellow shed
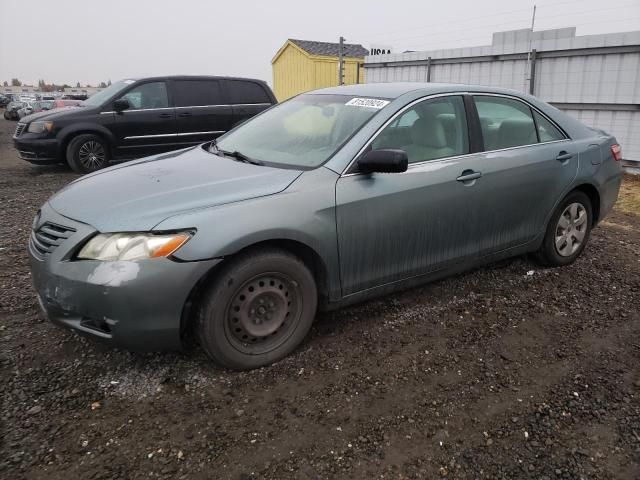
303	65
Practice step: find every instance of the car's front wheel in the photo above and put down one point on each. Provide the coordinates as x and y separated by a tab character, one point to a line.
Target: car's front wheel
258	310
568	231
87	153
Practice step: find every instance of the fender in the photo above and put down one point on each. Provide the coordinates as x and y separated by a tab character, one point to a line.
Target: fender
303	213
70	131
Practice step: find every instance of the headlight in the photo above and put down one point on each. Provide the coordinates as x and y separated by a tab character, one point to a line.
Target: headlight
40	127
132	246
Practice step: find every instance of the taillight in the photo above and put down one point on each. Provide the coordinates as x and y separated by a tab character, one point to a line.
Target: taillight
616	151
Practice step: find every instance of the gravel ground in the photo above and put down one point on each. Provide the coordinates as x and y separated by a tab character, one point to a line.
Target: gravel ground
510	371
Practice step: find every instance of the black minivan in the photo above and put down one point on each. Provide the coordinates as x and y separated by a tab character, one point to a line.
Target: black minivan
134	118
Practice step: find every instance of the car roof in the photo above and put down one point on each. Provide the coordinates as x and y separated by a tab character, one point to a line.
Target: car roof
192	77
397	89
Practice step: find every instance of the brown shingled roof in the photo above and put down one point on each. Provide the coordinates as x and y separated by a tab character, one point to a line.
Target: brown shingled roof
330	49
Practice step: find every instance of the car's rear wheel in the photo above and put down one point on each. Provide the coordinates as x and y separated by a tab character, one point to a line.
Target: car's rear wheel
258	309
6	115
87	153
568	231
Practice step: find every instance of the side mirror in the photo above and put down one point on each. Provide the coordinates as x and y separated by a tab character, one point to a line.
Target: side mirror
121	104
384	161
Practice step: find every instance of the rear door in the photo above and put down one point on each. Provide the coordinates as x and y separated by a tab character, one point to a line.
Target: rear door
202	112
248	98
149	124
527	165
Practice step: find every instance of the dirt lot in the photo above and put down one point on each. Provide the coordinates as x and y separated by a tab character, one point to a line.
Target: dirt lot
510	371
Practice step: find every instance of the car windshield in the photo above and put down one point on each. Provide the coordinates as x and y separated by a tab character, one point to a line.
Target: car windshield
303	132
99	98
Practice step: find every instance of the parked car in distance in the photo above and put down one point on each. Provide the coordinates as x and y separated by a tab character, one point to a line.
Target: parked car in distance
11	110
133	118
35	107
329	198
4	100
27	109
75	97
64	102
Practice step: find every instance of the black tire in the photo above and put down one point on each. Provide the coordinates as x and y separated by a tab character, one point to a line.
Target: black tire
87	153
257	310
6	115
549	254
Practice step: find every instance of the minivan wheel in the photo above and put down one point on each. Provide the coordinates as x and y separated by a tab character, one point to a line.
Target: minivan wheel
87	153
258	309
568	231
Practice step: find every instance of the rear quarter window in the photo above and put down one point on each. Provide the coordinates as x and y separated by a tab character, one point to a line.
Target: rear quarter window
241	91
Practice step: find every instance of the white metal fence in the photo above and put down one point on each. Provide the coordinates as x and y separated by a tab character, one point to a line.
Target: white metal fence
595	78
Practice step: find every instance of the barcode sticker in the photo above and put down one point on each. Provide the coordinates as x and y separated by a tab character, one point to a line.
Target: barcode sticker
368	103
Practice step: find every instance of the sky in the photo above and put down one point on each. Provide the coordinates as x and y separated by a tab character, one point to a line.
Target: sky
91	41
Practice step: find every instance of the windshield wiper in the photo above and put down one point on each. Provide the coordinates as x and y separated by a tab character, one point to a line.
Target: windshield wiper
241	157
213	147
238	156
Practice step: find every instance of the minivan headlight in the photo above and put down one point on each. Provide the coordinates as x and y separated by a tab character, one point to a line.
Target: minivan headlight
40	127
132	246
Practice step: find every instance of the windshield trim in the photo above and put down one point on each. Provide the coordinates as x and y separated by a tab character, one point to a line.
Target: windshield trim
288	166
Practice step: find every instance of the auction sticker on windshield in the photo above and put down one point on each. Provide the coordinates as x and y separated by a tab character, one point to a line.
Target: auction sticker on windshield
368	103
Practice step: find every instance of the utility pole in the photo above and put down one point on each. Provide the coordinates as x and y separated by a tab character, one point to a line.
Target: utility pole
341	62
527	79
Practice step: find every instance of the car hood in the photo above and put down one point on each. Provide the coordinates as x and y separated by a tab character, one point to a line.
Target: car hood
138	195
56	113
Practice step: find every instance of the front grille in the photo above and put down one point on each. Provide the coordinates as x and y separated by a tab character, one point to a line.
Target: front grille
19	129
49	236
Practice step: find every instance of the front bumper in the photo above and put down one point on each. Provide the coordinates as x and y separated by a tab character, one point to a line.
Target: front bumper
37	150
134	305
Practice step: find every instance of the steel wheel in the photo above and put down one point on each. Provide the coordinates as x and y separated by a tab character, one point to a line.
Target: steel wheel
571	229
263	313
92	155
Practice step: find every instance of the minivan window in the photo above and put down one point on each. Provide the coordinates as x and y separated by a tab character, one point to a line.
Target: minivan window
547	131
435	128
303	132
246	92
194	93
148	95
505	122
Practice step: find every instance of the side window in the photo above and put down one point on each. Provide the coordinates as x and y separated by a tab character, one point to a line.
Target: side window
547	131
241	91
429	130
194	93
148	95
505	122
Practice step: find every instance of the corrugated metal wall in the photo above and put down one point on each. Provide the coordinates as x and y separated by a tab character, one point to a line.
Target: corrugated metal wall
596	78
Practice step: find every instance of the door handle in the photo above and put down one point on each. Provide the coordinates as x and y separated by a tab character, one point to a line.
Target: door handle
165	115
185	114
562	156
469	175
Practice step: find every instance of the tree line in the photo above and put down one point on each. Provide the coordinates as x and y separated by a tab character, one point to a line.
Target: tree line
53	87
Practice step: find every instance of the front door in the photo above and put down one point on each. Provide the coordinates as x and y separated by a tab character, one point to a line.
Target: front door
395	226
149	124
